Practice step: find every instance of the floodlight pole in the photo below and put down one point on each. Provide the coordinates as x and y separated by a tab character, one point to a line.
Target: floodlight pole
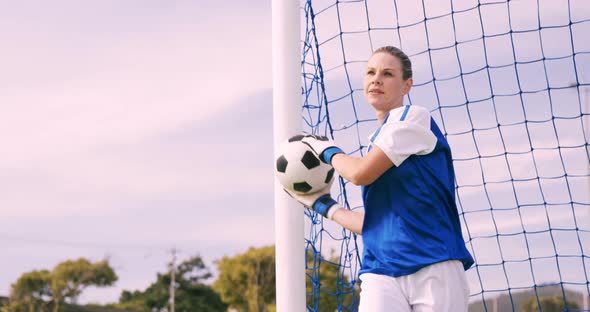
289	218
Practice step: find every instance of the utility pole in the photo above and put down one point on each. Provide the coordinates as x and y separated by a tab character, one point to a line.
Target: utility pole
172	278
495	304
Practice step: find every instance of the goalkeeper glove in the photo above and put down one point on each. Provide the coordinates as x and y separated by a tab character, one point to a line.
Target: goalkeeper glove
323	147
321	202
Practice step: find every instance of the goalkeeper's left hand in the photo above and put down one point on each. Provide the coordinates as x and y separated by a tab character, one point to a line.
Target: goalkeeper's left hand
321	202
323	147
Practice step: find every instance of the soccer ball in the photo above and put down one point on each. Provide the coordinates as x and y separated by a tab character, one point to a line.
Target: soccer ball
299	170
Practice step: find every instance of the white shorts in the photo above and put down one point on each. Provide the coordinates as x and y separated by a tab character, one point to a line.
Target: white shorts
440	287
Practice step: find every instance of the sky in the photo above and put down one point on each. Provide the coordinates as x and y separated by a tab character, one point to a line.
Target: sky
131	128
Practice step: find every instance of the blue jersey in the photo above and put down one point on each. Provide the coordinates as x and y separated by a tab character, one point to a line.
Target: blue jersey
411	218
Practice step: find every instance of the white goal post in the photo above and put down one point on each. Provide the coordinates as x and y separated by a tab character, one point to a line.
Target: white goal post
289	218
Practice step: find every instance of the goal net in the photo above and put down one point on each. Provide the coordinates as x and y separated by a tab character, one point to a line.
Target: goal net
508	82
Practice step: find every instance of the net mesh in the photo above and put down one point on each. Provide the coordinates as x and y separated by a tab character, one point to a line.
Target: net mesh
508	84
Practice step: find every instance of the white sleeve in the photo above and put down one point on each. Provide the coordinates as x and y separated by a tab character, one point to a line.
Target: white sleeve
406	132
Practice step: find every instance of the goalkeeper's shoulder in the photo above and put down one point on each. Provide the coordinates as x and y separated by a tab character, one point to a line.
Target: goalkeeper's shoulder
409	114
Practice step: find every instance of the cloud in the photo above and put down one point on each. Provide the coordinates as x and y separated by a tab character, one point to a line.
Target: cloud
90	91
190	161
129	128
138	76
205	187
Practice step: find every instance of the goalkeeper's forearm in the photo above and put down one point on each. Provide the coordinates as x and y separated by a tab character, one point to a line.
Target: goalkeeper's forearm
350	220
364	170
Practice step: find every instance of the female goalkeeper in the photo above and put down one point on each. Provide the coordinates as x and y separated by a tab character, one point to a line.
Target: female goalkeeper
414	257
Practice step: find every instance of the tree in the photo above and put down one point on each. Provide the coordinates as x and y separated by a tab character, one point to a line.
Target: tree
30	292
548	304
69	278
247	281
190	292
34	290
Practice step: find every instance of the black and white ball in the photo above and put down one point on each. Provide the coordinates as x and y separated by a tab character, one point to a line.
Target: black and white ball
299	170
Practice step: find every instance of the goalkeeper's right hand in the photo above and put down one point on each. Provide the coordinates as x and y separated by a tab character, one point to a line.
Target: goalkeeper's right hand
321	202
323	147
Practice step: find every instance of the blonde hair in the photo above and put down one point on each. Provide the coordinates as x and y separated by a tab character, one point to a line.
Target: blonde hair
404	59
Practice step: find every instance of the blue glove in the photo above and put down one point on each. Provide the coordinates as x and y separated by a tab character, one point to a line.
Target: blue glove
320	202
323	147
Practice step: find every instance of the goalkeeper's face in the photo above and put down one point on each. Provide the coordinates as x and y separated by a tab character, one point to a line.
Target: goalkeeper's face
384	85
